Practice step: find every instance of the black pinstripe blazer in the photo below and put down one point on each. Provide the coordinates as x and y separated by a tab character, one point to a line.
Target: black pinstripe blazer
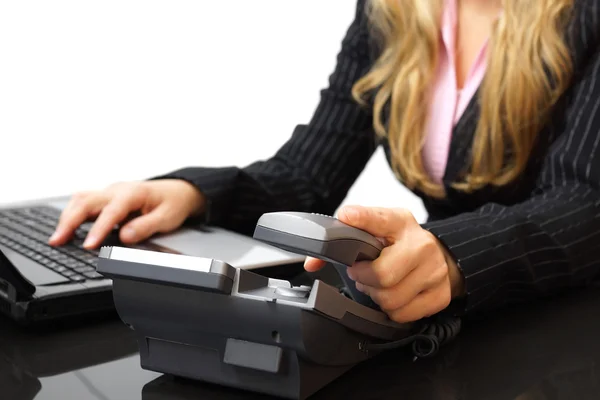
534	237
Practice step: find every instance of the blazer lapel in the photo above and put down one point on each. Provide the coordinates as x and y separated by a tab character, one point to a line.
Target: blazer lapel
460	144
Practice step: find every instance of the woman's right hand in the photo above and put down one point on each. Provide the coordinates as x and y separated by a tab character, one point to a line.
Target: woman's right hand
163	204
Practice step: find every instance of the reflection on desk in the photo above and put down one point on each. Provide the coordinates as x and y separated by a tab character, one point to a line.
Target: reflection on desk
541	351
49	362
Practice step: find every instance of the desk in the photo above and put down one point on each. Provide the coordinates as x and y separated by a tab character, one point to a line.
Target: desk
534	352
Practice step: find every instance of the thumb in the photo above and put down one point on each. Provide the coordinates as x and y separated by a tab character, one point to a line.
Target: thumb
378	221
141	228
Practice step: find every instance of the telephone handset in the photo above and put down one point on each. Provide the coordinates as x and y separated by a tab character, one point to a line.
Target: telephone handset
323	237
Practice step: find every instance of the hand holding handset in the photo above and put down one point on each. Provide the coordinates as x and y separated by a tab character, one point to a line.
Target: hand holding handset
322	237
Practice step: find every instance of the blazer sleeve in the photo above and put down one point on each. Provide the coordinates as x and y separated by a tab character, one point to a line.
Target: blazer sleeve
315	168
551	241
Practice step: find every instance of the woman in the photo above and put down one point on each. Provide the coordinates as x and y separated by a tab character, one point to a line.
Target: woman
486	109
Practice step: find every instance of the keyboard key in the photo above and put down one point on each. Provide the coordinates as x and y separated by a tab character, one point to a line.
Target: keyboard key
93	275
77	278
90	258
54	253
72	264
62	258
29	253
52	265
85	268
45	261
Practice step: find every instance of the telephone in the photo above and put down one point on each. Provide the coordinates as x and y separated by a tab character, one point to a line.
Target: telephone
204	319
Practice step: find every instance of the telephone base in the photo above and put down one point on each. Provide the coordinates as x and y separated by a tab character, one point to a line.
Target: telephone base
296	378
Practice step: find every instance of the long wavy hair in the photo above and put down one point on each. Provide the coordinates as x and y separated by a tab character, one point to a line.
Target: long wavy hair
528	69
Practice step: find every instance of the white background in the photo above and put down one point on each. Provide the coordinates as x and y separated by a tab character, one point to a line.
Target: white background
93	92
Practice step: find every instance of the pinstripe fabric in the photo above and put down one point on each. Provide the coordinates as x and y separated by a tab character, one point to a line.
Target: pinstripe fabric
534	237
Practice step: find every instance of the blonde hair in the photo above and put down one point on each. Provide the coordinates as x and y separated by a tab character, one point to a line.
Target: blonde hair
528	69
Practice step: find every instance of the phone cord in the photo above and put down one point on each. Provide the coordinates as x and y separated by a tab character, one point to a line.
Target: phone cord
430	337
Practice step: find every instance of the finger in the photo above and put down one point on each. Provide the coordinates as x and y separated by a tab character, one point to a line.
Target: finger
312	264
362	272
417	281
80	208
114	212
393	264
378	221
424	305
160	219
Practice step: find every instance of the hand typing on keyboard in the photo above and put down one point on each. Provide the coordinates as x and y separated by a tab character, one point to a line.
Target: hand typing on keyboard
25	230
163	206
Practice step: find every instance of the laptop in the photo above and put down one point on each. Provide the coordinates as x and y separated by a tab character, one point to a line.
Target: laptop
41	283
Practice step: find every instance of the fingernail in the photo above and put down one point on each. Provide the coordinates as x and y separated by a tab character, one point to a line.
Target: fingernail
350	274
128	234
54	236
90	241
306	261
351	213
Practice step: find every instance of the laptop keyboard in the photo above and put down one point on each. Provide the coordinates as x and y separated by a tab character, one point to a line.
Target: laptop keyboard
26	231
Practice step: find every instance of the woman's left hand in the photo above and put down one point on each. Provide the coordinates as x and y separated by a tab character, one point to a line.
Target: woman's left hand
413	277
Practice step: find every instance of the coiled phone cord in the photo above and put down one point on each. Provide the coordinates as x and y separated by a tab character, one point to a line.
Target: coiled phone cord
433	334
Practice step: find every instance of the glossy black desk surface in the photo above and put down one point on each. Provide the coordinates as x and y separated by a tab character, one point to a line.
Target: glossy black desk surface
534	352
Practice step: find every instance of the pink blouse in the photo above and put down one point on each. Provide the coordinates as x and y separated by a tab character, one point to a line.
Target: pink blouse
448	101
